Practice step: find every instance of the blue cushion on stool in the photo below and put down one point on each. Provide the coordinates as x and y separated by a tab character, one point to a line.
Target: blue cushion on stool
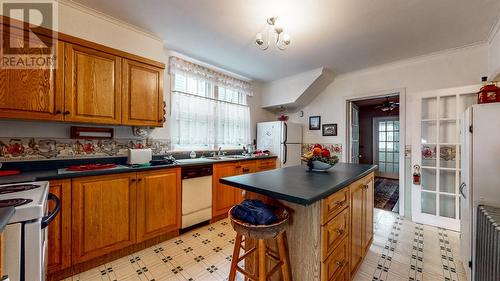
254	212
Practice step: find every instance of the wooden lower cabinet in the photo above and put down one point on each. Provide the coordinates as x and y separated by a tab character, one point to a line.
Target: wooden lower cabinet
104	215
59	230
158	203
347	229
224	196
361	219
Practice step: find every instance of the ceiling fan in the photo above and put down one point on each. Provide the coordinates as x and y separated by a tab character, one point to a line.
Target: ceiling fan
387	105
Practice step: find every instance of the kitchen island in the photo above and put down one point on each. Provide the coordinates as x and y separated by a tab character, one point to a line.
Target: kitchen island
331	225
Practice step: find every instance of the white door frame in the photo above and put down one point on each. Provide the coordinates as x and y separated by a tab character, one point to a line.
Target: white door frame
402	134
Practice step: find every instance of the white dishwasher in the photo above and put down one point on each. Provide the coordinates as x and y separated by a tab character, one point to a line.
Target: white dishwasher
196	194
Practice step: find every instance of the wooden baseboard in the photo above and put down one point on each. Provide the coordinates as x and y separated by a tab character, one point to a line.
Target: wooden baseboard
218	218
78	268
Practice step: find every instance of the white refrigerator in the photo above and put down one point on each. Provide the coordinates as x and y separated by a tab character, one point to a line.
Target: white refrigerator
283	139
480	172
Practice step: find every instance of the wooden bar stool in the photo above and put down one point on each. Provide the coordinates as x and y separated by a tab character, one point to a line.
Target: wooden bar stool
260	233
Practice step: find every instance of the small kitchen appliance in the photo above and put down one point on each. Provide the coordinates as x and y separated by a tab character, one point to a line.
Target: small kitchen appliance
139	156
25	235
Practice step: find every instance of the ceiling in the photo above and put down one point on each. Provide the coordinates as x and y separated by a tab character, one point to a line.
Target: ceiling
343	35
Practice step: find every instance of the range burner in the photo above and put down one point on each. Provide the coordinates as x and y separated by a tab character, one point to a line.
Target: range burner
16	188
14	202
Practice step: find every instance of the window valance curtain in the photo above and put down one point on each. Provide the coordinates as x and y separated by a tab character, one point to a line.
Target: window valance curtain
180	66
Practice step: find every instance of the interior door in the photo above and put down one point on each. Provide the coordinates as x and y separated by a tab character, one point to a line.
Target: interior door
436	145
386	146
354	133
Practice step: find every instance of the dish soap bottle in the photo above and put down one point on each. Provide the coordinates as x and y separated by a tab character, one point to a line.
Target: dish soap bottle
192	154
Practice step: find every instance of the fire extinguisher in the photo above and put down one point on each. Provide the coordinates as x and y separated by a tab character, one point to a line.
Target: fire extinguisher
416	174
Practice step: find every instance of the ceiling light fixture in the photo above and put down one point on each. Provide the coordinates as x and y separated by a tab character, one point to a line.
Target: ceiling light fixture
275	29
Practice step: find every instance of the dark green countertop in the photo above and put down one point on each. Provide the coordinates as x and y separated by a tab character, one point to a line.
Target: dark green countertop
52	174
297	185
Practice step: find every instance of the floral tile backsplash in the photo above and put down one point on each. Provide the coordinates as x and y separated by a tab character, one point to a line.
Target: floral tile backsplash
21	149
335	149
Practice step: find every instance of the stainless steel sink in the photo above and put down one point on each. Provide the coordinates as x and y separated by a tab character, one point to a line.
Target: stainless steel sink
217	157
238	156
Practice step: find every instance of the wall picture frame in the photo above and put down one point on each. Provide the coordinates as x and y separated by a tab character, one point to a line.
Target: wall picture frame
314	122
329	130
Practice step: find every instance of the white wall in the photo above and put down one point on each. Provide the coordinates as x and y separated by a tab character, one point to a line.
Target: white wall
288	89
82	22
494	54
442	70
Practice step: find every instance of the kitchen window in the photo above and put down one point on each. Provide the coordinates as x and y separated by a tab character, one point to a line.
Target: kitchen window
208	110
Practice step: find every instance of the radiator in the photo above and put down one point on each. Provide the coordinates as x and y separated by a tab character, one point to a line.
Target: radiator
488	244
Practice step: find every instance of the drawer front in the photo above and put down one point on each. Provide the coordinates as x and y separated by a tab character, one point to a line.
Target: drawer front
335	265
334	232
266	164
334	204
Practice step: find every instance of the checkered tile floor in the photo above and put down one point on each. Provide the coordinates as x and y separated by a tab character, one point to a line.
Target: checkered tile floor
401	250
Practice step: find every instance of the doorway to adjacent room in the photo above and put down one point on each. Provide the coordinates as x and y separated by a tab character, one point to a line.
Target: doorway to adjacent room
375	134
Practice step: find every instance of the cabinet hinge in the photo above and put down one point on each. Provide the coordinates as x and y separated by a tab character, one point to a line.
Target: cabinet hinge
470	128
470	264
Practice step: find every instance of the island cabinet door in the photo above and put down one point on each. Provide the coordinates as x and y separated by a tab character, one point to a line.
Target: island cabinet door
59	236
92	86
223	196
357	225
158	202
104	215
31	93
142	102
368	189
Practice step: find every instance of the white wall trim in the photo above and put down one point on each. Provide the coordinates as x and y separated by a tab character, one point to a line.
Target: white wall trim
108	18
402	135
408	61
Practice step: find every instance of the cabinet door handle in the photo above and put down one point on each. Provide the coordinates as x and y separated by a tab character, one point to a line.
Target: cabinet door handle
58	112
339	231
339	203
246	170
340	263
139	180
66	112
132	180
366	186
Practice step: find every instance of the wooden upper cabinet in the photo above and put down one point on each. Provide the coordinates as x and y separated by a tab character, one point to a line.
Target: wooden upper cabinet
103	215
142	102
92	86
59	237
158	202
32	93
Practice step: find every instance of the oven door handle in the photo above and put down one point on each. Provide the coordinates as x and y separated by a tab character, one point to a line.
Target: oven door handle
51	216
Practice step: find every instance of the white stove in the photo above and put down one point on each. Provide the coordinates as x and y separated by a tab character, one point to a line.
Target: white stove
26	234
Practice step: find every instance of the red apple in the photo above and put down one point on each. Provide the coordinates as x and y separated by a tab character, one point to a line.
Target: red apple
325	153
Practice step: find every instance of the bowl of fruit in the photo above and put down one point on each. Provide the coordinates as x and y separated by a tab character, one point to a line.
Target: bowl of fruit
319	159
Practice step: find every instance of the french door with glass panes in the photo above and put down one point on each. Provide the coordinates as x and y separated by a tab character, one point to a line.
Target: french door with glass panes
386	146
436	150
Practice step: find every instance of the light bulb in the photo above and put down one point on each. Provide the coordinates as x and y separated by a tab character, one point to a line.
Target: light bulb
278	25
286	39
